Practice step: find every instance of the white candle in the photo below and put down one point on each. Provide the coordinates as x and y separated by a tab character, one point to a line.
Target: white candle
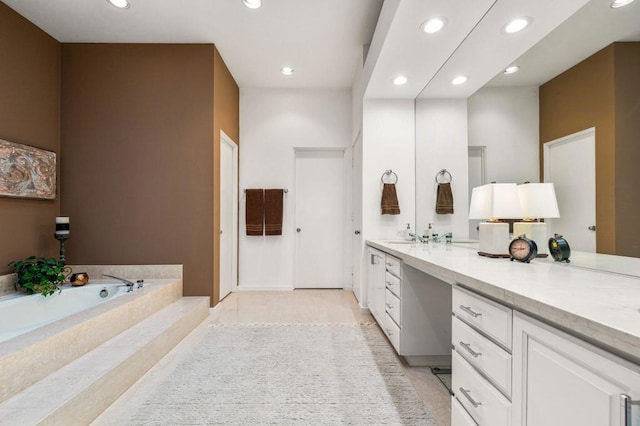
62	225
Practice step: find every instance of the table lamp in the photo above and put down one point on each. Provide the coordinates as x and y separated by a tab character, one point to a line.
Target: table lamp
537	201
494	201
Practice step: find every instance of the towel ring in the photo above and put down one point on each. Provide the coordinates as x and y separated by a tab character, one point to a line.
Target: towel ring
389	173
445	175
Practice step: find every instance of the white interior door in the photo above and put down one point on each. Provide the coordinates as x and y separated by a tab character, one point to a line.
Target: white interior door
477	177
570	163
228	215
357	247
320	217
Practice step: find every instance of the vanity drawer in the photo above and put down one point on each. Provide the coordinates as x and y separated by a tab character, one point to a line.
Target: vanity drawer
459	416
393	265
392	304
392	283
392	331
486	405
487	357
487	316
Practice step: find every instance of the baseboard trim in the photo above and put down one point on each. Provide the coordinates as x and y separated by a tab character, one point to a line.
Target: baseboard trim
262	288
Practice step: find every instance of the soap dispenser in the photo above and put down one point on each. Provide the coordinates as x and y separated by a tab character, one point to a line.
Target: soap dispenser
427	233
407	233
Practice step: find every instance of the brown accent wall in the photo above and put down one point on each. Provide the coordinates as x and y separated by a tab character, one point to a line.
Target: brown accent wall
29	114
627	181
137	125
226	117
603	92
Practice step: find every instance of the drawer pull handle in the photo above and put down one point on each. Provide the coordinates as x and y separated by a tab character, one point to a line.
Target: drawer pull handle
389	305
468	310
388	331
471	400
471	351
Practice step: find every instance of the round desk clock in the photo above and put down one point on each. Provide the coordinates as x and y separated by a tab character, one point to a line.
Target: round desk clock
523	249
559	248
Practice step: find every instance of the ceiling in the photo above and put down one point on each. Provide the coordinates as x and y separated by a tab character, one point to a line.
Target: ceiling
321	40
473	44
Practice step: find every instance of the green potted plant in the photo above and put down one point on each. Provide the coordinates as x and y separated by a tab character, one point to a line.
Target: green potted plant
39	274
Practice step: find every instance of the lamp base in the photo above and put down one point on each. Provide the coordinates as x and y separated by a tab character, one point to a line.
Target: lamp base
537	231
494	239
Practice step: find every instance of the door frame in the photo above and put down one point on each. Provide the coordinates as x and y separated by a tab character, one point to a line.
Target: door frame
345	220
357	249
482	150
573	137
225	139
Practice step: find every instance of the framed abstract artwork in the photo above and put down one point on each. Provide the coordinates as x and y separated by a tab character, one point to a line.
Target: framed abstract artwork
27	172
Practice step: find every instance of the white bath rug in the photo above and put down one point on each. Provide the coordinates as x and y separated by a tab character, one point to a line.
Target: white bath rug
287	374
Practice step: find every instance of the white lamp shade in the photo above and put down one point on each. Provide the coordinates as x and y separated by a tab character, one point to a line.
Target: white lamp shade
538	200
495	200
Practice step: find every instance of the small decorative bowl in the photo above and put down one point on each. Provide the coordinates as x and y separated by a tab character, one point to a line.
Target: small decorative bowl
78	279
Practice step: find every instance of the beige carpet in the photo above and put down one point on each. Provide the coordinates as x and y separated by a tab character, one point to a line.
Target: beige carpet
286	374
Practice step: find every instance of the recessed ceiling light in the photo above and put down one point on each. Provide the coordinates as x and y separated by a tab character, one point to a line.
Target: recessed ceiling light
433	25
459	80
252	4
511	69
120	4
619	3
286	70
400	80
517	25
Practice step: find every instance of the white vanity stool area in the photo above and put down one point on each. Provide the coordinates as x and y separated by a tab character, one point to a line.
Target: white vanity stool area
540	344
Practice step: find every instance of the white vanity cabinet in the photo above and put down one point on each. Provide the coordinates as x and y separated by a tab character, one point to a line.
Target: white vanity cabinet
560	380
412	309
511	369
481	363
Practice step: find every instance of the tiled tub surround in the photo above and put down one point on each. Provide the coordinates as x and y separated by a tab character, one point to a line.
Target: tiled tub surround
8	284
602	308
28	358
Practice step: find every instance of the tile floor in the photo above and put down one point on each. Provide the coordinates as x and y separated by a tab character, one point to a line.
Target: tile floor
300	306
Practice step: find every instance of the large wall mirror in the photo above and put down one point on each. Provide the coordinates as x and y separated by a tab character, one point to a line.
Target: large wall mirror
573	83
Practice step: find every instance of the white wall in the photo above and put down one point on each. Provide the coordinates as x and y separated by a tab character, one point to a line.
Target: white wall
272	123
506	121
441	143
388	143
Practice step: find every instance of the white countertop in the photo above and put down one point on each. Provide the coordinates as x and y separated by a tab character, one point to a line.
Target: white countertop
601	307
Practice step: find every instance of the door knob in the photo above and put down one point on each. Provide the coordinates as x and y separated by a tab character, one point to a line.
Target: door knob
592	228
298	229
357	232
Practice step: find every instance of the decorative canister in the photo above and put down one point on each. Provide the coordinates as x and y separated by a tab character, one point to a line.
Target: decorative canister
78	279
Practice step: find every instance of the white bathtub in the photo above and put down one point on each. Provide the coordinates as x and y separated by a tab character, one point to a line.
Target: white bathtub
21	313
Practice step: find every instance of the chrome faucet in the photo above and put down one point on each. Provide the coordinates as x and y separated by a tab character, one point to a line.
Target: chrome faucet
127	283
441	237
416	237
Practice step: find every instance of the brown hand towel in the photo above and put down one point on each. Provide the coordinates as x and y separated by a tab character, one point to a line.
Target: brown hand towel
273	211
254	209
444	199
389	201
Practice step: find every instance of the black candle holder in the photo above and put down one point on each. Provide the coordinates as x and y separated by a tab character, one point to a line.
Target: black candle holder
62	238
